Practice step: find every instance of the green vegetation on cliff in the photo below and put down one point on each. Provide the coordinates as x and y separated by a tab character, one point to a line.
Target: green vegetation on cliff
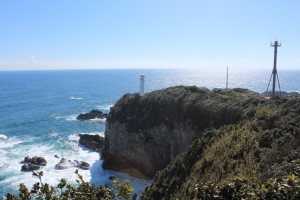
263	143
201	107
147	132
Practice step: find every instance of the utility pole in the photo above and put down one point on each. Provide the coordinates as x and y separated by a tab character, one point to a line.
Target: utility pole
142	82
274	72
227	79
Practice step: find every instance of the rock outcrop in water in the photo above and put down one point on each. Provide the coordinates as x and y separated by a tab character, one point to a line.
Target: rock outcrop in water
145	133
34	163
65	164
94	142
83	165
94	114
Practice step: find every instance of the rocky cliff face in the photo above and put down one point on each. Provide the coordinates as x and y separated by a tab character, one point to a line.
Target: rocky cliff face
264	144
145	133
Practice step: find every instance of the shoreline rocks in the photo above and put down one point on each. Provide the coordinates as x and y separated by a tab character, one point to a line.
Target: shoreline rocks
30	167
94	142
83	165
93	114
34	163
65	164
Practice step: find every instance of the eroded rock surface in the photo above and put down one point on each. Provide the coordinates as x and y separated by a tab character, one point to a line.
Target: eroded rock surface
145	133
34	163
94	142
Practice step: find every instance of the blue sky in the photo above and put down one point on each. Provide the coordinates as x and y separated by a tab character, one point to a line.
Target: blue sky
86	34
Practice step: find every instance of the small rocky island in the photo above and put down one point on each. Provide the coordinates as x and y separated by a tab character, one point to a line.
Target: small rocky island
93	114
94	142
34	163
188	136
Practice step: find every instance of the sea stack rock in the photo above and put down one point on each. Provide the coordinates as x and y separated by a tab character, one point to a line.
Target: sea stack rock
94	142
145	133
33	163
30	167
94	114
63	164
84	165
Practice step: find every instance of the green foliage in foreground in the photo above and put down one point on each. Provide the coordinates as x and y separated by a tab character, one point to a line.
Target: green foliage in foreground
281	188
284	188
82	191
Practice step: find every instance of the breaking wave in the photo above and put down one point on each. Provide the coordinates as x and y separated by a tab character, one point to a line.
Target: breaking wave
76	98
3	137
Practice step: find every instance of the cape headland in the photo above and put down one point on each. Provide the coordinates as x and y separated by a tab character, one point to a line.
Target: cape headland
186	136
145	133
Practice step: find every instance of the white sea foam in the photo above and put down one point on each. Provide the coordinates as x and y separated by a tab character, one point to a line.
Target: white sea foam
9	142
105	107
10	159
68	118
74	137
76	98
3	159
98	119
71	118
12	163
57	117
73	142
53	134
3	137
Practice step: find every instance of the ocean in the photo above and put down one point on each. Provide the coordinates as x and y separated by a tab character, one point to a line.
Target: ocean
39	109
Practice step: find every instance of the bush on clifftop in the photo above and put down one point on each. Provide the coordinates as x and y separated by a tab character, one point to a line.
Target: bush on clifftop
82	191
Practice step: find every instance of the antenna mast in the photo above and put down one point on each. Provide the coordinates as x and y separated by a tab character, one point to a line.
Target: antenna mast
274	72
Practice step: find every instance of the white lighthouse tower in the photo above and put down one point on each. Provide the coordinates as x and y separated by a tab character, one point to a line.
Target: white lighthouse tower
142	82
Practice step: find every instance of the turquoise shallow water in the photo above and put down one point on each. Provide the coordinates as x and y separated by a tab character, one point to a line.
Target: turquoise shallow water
39	109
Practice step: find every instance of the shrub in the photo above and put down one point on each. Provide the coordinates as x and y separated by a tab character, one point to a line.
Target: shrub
284	188
83	190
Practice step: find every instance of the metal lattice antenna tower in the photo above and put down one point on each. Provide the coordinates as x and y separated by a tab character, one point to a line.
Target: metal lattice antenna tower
274	72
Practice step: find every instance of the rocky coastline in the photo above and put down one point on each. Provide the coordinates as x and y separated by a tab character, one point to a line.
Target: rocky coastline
145	133
93	142
188	136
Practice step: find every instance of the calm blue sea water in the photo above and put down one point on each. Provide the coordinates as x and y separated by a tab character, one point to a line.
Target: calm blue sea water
38	111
